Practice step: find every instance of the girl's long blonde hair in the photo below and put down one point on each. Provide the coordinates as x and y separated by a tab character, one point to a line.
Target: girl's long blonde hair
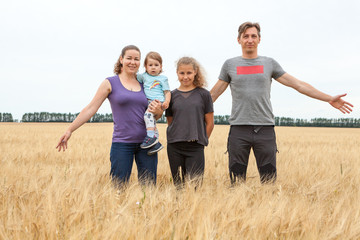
199	80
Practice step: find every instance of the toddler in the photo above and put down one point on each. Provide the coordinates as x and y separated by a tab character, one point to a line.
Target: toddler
156	86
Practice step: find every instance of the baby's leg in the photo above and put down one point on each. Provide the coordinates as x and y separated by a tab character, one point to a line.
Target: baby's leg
149	123
156	132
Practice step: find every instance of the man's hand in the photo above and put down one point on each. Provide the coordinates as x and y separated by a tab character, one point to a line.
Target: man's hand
338	103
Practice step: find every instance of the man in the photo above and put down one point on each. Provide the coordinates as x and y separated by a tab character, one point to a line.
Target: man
252	120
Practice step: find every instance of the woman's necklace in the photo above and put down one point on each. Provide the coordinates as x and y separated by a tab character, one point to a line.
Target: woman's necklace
129	84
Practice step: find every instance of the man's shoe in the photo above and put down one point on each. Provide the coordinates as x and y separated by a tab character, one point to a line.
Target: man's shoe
155	149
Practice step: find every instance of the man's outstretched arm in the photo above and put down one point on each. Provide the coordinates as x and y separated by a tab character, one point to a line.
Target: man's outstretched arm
308	90
218	89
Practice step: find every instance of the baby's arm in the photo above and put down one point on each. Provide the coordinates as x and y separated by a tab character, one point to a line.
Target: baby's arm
140	78
166	103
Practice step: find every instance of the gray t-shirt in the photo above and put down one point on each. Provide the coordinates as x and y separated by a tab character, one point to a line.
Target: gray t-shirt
250	84
188	110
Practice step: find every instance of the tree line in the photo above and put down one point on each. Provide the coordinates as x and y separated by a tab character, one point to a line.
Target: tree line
218	119
6	117
298	122
62	117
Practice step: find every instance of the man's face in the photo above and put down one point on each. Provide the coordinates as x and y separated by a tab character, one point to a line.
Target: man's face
249	40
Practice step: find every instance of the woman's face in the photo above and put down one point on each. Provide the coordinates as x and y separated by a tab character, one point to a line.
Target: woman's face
186	75
131	61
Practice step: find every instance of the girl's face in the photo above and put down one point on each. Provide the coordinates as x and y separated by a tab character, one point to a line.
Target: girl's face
186	75
131	61
153	67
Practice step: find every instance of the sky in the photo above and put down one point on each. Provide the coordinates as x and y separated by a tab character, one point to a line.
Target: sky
55	54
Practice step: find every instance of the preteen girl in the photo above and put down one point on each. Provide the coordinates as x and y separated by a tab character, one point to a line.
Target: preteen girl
190	118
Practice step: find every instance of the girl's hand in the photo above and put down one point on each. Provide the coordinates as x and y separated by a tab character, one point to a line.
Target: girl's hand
165	105
63	141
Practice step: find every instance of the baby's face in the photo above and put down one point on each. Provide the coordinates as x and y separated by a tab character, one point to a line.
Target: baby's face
153	67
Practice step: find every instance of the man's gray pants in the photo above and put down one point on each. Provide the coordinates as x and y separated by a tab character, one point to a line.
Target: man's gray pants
262	140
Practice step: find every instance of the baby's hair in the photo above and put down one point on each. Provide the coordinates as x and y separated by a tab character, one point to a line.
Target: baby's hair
199	80
153	55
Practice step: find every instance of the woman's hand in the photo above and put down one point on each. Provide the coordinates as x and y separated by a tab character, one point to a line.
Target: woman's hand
155	108
63	141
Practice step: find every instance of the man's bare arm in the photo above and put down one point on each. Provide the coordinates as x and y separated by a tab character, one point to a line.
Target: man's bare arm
308	90
218	89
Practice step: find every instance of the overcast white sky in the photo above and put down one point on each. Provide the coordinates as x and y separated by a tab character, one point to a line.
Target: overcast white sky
55	54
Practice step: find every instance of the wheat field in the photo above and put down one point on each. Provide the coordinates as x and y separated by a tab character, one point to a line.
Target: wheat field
45	194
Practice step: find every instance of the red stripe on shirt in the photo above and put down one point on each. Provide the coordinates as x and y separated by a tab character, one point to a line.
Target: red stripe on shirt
250	69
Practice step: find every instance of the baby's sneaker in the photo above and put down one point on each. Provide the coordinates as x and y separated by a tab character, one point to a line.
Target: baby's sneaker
155	149
149	142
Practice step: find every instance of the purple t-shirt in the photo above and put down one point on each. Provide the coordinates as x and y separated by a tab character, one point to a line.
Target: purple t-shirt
128	110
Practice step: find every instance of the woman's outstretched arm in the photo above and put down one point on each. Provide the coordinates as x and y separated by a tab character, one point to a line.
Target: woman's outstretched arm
86	113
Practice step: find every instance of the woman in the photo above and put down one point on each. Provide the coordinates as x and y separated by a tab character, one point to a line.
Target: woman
190	118
128	103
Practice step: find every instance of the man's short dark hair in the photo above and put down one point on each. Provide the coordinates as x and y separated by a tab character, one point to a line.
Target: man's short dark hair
243	27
